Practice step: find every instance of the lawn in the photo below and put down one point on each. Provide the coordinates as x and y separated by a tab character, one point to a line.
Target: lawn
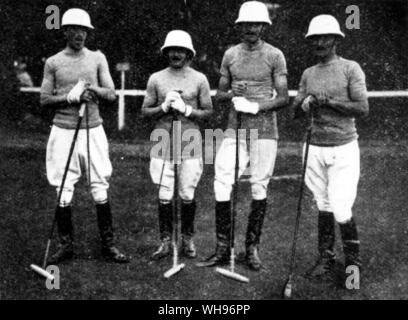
27	208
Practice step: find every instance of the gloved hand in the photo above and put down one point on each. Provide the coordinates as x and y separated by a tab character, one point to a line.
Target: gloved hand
308	102
239	88
89	96
170	97
275	94
323	99
241	104
182	107
74	96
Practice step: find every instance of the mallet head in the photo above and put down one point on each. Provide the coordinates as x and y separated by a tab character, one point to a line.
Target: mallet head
42	272
287	290
174	270
232	275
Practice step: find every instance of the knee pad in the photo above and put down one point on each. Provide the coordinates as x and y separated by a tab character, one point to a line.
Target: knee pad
258	192
66	198
222	191
343	214
165	194
187	194
100	196
323	205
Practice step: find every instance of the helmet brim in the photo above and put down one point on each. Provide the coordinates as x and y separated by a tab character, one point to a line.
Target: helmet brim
269	23
340	35
90	28
164	49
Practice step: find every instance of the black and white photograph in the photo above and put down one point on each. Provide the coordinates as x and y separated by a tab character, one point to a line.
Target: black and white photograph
222	152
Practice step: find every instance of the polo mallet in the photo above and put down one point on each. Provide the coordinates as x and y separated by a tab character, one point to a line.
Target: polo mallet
164	163
231	272
34	267
287	289
165	153
88	144
176	268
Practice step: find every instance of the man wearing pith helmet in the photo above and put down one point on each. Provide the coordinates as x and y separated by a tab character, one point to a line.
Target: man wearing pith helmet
253	79
334	91
183	91
74	76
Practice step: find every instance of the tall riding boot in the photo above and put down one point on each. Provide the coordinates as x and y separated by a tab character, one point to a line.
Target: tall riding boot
166	228
109	250
326	238
351	244
188	210
223	232
64	223
254	231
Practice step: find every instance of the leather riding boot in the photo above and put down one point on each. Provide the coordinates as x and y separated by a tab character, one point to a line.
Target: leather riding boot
166	228
323	267
253	235
65	249
351	244
188	211
109	251
223	230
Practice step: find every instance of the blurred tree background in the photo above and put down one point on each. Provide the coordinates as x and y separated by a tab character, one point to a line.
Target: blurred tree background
134	31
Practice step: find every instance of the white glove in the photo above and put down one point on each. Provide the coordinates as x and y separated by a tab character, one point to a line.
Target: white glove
275	94
74	96
179	105
306	103
182	107
170	97
241	104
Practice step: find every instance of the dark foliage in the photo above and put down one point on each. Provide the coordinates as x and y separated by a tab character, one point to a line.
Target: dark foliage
134	31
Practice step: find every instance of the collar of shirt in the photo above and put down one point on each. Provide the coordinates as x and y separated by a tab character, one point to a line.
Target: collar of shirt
257	47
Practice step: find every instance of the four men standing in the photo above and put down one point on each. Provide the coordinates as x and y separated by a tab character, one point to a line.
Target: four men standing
254	81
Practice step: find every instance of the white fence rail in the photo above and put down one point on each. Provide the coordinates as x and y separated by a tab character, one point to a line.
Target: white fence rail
292	93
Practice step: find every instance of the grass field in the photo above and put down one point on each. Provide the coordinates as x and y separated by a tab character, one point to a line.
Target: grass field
27	207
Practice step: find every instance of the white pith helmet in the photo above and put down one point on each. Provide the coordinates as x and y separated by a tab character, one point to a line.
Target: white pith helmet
77	17
254	11
324	24
178	38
